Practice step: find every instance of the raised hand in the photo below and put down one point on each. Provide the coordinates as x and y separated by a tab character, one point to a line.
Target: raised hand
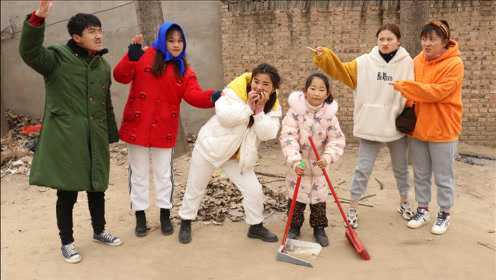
264	97
43	10
136	49
138	39
253	98
317	51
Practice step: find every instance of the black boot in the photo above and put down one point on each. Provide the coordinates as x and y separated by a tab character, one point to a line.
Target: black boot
185	232
294	232
320	236
141	227
260	232
297	220
165	222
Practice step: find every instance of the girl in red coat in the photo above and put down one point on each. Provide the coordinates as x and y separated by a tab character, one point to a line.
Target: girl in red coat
160	78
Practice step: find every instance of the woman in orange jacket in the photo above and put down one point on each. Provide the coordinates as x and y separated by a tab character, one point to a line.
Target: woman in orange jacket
436	93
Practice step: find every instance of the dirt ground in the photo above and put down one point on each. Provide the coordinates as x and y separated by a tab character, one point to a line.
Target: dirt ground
30	246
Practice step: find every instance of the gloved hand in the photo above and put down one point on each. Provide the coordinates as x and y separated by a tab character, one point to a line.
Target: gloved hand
216	95
135	52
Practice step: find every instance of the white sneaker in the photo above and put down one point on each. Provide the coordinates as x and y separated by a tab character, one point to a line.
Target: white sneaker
441	224
352	217
420	218
406	211
70	253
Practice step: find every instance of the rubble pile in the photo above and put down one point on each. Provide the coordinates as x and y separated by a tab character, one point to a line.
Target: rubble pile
118	153
224	201
18	145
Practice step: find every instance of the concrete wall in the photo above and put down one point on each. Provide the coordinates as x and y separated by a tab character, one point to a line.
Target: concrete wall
23	89
277	32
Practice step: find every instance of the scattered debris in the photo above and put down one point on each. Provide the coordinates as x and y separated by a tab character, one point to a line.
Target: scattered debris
477	156
367	196
340	182
475	194
118	153
269	175
487	245
474	159
191	138
18	145
223	201
381	185
347	201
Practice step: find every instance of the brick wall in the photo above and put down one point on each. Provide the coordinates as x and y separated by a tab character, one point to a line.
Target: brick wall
277	32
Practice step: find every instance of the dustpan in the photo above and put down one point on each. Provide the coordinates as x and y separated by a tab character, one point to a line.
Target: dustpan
294	251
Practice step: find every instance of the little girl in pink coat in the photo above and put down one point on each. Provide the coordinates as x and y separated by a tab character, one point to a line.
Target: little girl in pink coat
311	113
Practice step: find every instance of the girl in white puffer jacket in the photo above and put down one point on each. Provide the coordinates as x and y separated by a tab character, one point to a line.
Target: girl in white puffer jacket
247	112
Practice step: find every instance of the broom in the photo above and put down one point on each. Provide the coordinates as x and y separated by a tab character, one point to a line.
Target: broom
350	234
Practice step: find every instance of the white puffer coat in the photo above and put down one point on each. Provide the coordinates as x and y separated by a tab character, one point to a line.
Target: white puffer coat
220	138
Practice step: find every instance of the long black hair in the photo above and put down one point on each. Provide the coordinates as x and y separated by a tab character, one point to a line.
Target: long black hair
270	70
324	78
159	64
275	78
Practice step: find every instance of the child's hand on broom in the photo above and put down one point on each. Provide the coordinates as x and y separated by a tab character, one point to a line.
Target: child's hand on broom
300	168
322	163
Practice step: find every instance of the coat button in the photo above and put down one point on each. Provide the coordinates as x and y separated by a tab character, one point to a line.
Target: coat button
174	114
137	114
142	95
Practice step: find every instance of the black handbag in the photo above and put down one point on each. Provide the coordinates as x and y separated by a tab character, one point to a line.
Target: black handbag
406	121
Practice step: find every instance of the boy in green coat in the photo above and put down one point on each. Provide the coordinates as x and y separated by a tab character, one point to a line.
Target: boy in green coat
78	121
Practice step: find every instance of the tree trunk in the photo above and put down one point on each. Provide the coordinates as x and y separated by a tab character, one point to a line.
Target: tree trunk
413	15
150	17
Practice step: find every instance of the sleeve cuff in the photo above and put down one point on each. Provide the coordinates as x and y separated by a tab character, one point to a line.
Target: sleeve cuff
35	20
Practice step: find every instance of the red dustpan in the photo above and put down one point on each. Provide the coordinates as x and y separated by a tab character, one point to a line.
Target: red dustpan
351	235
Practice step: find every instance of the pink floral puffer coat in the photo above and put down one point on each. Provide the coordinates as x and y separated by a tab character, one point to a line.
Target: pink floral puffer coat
301	121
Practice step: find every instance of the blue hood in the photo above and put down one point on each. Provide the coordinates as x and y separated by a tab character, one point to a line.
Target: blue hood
160	44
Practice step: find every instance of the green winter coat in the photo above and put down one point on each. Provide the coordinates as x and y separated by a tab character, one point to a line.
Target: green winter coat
78	119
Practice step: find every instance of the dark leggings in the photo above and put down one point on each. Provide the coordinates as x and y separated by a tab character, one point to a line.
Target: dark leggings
65	204
318	216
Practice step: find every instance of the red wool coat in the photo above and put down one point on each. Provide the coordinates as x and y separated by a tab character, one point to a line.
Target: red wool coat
151	115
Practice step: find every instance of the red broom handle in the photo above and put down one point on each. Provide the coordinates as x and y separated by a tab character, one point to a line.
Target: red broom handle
336	199
291	210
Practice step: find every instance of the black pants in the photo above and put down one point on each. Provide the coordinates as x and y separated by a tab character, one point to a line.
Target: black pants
318	216
65	204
